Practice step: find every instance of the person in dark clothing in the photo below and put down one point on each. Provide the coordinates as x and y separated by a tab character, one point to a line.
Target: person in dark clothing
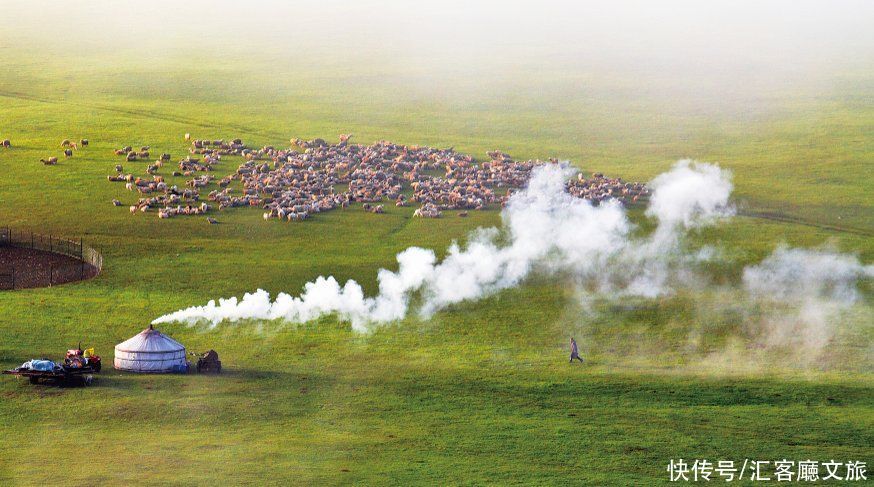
575	352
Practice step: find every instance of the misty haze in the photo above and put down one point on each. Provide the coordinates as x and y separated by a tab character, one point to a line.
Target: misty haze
436	243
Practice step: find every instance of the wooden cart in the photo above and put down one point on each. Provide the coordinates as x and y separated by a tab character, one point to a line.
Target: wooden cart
62	376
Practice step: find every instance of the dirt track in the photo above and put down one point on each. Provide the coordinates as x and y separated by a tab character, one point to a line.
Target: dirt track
778	217
31	268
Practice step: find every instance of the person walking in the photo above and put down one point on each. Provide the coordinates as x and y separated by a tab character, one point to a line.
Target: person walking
575	352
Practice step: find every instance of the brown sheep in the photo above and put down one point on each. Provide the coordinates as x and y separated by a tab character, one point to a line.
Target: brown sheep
65	143
50	161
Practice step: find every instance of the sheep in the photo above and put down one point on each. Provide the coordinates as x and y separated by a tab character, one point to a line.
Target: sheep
290	185
187	137
116	203
211	220
50	161
165	157
131	156
6	143
65	143
68	153
83	142
119	168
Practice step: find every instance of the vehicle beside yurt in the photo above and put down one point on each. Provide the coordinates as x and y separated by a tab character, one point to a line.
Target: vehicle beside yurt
151	351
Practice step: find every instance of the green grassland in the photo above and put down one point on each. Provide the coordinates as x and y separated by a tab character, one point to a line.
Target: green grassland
479	394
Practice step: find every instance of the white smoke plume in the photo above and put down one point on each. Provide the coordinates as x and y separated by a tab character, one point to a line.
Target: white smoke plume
809	289
544	227
691	195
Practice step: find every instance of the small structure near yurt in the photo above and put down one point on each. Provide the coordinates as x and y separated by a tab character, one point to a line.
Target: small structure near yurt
209	363
151	351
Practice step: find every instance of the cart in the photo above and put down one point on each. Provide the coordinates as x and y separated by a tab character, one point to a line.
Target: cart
60	375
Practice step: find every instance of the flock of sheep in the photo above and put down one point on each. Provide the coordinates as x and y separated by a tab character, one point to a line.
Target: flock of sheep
312	176
67	145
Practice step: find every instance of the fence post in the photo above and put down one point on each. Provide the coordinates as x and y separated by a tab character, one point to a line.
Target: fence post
81	260
13	278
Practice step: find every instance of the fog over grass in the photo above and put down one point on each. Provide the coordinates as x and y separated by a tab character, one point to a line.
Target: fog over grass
723	48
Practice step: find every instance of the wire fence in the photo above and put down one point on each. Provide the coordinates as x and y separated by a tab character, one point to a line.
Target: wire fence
59	260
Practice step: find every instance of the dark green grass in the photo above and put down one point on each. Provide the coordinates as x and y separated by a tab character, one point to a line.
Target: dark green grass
480	393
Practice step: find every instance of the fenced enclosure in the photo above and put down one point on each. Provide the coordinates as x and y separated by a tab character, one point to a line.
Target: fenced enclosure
29	259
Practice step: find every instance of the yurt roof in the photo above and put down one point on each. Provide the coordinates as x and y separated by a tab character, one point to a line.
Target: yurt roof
149	340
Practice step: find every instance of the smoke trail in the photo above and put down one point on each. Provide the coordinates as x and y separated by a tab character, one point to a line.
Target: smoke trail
543	227
808	289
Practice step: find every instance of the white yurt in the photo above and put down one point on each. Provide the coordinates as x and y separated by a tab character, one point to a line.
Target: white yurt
150	351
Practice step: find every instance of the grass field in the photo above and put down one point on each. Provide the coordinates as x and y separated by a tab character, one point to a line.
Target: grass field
479	394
